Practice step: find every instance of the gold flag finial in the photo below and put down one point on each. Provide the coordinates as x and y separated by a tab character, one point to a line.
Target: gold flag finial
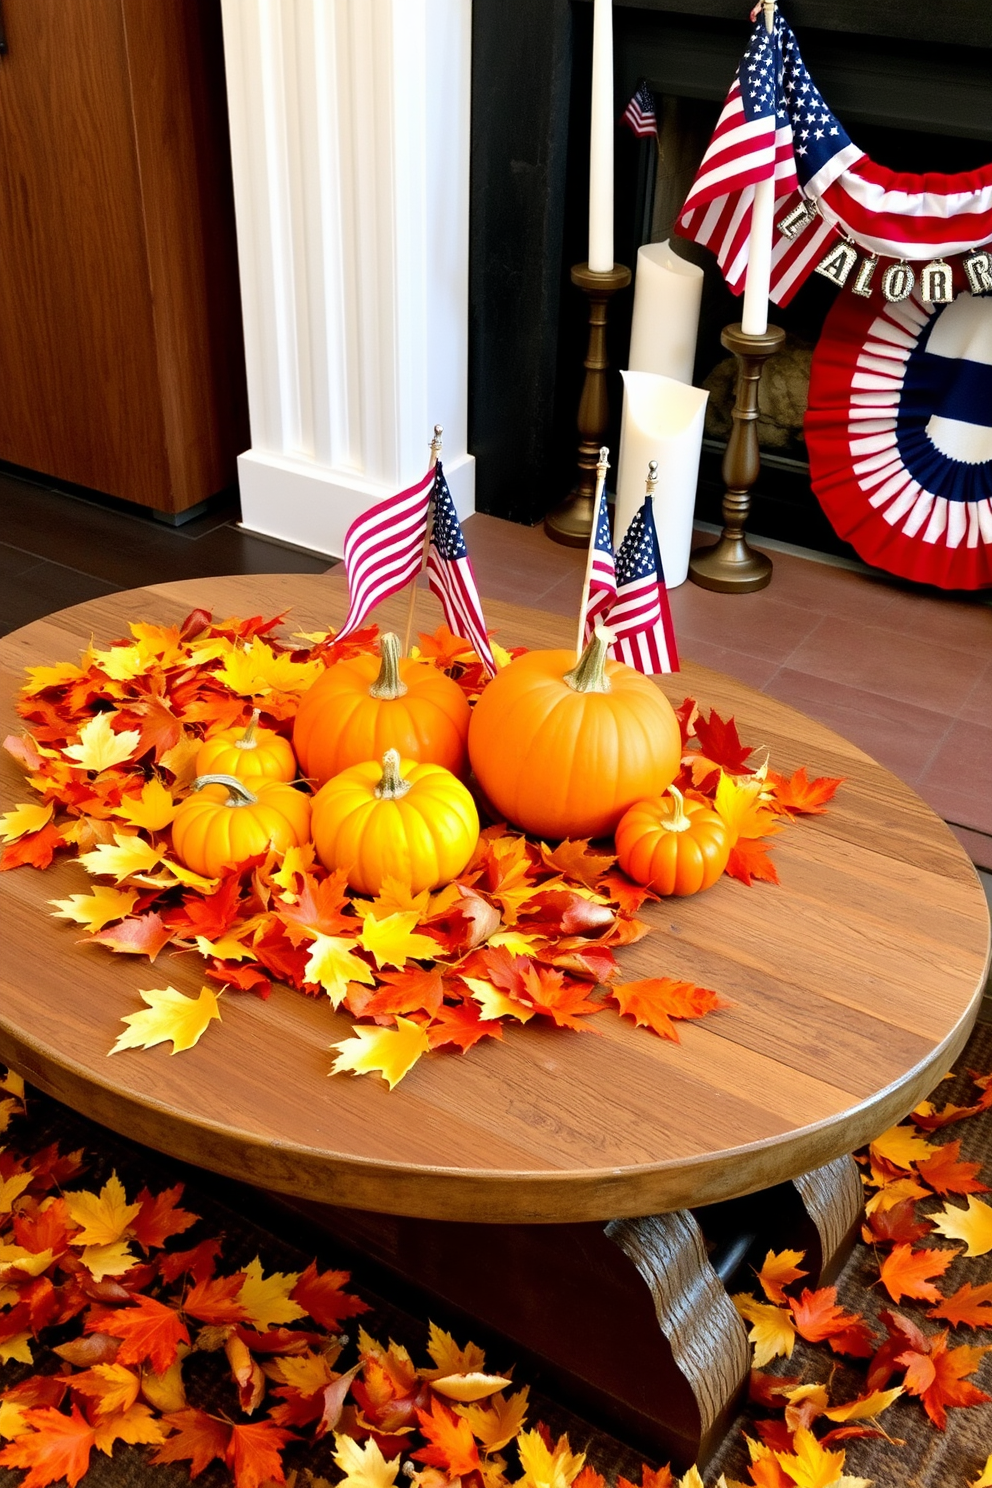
652	479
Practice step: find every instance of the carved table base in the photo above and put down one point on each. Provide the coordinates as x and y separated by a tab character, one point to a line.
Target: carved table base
631	1322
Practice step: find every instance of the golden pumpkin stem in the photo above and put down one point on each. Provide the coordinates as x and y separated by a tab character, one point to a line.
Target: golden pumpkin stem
678	821
248	740
392	786
238	792
589	672
388	685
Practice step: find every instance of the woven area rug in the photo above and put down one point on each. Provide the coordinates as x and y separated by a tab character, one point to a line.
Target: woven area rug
918	1457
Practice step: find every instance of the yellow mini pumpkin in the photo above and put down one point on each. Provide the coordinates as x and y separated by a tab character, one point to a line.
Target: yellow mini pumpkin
224	822
368	704
253	754
414	822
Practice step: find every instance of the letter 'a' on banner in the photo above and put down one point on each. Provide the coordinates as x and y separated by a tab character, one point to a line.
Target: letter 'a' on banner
899	433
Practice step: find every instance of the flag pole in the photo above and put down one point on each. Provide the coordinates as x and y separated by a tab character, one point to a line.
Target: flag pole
602	467
412	607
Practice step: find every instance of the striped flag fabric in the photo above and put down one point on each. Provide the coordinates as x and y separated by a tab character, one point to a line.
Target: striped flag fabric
641	618
639	115
451	577
602	572
384	548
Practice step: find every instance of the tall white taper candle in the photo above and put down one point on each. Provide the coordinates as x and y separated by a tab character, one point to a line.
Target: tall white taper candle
754	317
601	141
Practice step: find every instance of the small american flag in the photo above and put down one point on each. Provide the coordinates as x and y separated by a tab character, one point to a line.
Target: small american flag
641	618
384	548
602	573
450	575
639	115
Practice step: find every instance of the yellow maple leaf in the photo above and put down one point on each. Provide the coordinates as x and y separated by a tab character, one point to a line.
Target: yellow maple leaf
127	854
295	863
984	1479
547	1467
778	1270
393	941
16	1350
99	747
113	1387
332	964
495	1424
364	1466
166	1391
108	1260
51	676
12	1422
153	809
161	641
97	908
744	808
515	941
972	1224
190	880
13	1084
448	1357
103	1217
169	1015
121	663
392	1052
307	1372
255	669
691	1479
772	1331
266	1299
867	1406
894	1193
811	1465
11	1188
494	1003
227	948
396	897
181	758
137	1424
902	1147
16	1262
23	819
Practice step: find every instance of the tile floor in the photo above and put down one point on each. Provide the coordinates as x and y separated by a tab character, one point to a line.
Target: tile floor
906	673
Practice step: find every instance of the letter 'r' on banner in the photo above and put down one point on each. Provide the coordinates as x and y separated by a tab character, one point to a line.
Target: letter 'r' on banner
936	284
978	271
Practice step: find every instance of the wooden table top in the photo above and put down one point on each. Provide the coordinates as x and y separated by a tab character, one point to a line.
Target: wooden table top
855	985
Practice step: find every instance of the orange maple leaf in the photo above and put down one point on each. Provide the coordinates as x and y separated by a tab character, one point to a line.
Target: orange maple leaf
778	1272
651	1477
215	1300
574	860
141	935
148	1330
938	1377
318	907
796	793
749	860
58	1446
35	849
321	1295
970	1306
945	1173
453	1446
254	1453
196	1436
557	997
655	1001
819	1319
904	1271
462	1025
412	990
590	1478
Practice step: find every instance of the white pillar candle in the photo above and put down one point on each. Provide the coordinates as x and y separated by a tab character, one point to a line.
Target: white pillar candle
667	294
601	141
663	421
754	317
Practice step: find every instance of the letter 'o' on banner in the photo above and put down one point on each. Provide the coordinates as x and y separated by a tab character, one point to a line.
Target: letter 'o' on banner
899	432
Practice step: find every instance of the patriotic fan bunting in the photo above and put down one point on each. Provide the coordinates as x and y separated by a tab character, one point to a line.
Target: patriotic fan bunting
384	548
451	577
899	432
641	618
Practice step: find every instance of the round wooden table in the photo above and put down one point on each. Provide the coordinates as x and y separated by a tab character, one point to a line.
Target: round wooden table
854	986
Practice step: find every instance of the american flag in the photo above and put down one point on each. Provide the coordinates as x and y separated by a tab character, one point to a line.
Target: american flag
450	575
603	571
384	548
639	115
641	618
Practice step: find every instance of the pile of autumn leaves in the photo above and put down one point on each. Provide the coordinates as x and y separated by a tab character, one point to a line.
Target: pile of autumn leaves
526	931
129	1306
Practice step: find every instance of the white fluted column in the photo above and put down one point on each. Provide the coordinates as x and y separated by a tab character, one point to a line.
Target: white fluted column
350	148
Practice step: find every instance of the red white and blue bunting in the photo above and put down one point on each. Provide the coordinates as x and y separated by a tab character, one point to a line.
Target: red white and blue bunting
899	433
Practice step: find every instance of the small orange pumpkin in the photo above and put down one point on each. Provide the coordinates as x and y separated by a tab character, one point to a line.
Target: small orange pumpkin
224	823
252	753
562	749
414	822
363	706
673	845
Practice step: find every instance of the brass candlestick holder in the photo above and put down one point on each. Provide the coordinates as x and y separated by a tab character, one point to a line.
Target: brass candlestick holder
571	522
731	566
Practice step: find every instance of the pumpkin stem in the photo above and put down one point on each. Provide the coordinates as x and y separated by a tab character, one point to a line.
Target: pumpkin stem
388	685
678	821
248	740
589	672
392	785
238	792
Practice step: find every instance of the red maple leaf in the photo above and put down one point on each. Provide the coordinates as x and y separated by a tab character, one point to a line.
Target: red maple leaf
148	1330
277	953
35	849
58	1446
195	624
196	1436
141	935
561	912
321	1295
210	915
159	1219
890	1226
44	1229
905	1271
749	860
198	1262
214	1300
462	1025
243	975
797	794
452	1445
687	712
819	1319
720	742
970	1307
945	1173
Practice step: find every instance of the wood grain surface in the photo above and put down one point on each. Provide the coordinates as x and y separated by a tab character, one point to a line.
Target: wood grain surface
854	986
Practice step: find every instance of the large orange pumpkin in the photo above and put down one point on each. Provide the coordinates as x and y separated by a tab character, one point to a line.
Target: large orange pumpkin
562	749
224	822
414	822
253	754
361	707
673	845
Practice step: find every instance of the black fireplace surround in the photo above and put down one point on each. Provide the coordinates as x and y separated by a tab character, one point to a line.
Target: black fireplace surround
911	79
